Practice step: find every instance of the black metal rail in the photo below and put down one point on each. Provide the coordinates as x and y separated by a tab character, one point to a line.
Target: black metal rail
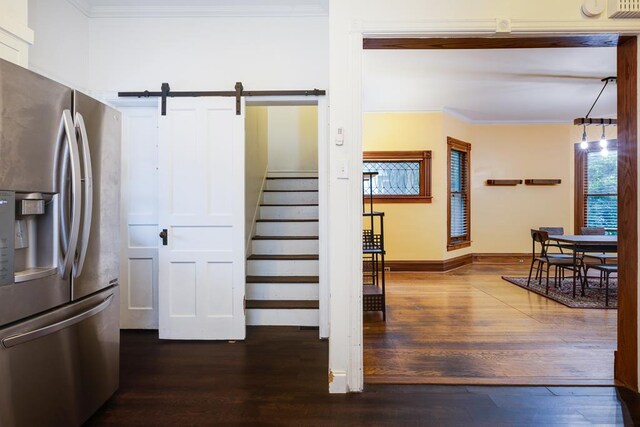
238	93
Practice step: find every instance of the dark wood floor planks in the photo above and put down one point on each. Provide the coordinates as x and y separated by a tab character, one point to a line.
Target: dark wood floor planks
278	376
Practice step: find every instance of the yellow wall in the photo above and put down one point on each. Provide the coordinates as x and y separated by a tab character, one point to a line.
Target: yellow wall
412	230
501	217
293	138
256	137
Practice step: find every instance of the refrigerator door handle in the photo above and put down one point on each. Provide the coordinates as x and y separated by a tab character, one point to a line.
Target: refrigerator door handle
67	133
87	207
22	338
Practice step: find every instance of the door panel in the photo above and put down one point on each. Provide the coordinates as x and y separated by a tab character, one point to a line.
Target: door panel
31	108
101	265
139	218
202	271
62	366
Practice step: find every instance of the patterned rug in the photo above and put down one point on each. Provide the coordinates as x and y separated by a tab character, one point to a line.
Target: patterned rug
594	294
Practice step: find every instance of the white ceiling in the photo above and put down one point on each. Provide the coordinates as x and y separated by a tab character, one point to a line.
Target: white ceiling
198	8
501	85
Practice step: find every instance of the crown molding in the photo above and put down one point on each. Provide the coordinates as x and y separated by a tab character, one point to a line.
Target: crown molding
82	5
194	8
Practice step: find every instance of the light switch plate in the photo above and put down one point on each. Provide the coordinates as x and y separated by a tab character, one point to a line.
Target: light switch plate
342	171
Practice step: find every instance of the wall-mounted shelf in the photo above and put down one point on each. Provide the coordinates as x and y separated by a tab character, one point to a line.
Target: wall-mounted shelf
503	182
542	181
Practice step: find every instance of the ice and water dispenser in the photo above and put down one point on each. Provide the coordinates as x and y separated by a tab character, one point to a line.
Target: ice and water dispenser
27	236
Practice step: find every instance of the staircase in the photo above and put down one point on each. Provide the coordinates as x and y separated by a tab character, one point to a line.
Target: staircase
282	270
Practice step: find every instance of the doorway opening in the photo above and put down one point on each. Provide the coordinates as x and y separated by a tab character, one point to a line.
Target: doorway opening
283	193
451	317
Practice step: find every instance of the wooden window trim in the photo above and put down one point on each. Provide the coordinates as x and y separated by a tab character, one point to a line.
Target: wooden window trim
578	194
455	144
422	157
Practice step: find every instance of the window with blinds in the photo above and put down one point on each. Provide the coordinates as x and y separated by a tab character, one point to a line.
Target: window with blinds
597	192
459	196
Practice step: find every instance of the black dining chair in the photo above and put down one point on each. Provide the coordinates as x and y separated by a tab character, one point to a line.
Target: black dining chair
543	259
557	231
606	270
600	257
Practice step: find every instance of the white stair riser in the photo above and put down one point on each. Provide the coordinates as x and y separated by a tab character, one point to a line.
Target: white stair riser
283	291
287	229
288	212
291	198
282	268
285	247
292	184
282	317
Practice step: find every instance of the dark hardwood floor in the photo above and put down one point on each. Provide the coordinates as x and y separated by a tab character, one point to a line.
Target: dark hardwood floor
278	376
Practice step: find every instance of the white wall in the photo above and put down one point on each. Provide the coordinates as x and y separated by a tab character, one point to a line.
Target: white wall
208	53
106	55
15	34
255	165
61	47
293	138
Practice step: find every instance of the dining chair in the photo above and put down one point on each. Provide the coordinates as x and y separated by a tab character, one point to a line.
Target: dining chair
558	231
602	258
593	231
607	270
560	262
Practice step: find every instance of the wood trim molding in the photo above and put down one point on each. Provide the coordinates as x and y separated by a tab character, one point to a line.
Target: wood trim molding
453	263
580	162
626	357
600	40
578	192
502	258
428	265
456	144
423	157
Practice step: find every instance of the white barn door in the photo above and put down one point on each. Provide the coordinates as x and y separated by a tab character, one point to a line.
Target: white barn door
201	205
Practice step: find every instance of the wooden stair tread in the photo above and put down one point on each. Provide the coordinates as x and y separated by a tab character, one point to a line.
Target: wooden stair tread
287	220
283	304
292	177
293	205
285	238
371	290
305	257
282	279
289	191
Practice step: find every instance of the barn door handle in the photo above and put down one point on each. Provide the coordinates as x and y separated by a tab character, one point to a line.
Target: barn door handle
164	236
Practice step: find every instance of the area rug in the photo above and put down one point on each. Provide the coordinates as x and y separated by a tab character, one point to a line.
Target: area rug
594	294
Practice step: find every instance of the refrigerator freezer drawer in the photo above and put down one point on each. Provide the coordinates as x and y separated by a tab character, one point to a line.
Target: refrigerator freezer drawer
59	368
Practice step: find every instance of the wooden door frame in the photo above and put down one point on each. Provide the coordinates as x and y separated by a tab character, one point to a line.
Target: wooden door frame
626	356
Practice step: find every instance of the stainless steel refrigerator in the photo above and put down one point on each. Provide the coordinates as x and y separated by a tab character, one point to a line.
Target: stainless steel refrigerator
59	214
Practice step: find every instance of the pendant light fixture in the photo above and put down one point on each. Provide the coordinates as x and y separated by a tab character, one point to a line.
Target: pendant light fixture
584	144
586	121
603	140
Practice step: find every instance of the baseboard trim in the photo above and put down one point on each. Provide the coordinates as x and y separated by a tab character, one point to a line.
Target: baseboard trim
501	258
457	262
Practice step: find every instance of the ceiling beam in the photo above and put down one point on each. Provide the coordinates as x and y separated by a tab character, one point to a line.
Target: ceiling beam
598	40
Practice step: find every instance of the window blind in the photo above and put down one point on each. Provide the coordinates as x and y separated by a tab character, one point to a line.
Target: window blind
600	190
459	230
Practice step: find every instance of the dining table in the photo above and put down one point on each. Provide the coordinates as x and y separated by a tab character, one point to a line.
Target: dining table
579	243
